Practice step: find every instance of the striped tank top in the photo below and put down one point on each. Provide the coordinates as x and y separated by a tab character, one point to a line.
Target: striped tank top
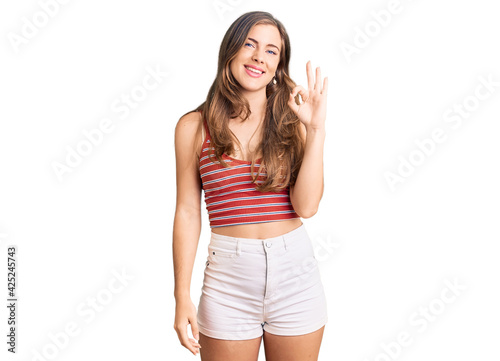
230	196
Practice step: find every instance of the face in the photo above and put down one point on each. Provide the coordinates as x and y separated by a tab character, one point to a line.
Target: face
256	62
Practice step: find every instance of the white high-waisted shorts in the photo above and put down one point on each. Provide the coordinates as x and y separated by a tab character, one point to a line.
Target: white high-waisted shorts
256	285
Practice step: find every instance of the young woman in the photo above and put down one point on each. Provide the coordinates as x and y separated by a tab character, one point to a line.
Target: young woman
255	147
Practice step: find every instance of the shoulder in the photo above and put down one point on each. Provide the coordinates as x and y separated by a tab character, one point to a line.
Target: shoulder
189	128
189	120
188	125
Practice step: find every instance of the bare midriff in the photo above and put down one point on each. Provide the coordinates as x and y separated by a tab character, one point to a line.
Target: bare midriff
259	230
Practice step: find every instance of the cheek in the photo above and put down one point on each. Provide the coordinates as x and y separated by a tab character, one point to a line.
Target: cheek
233	67
236	62
275	64
274	68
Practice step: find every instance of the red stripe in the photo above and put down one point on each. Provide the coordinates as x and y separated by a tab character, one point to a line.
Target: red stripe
214	195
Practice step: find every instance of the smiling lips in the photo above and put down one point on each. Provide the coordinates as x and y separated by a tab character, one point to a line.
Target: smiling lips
253	71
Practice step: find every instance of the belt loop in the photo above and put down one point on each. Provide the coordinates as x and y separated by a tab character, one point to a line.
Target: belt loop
238	247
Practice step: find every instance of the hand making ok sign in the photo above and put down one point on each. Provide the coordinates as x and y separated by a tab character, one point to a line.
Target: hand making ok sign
312	111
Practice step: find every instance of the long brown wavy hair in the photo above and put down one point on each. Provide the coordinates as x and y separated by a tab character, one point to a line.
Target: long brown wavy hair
282	144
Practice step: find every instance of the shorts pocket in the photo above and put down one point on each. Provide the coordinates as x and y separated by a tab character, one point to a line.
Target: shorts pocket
221	254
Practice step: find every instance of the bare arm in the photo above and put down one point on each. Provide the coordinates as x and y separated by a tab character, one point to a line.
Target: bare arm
187	225
306	194
187	220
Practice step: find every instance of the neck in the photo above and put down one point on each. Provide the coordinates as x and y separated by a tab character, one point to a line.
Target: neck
258	103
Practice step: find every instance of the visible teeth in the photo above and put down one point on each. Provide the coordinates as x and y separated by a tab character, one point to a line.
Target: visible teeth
253	70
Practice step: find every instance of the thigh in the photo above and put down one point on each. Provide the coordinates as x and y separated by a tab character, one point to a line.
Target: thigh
293	348
213	349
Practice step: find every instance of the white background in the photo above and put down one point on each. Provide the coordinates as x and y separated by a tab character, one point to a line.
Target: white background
385	253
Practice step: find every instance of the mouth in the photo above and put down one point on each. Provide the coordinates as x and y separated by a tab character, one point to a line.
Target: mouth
254	71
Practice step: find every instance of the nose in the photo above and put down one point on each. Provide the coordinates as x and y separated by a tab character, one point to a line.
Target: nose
258	56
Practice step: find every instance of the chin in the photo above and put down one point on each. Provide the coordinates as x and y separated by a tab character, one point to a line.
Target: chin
254	89
253	86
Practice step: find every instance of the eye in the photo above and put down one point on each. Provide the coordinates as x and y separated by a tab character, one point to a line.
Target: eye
269	51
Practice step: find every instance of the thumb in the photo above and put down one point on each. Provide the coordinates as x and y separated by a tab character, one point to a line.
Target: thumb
194	329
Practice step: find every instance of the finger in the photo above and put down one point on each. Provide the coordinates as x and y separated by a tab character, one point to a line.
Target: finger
317	84
194	329
292	104
325	86
185	340
310	79
194	343
299	89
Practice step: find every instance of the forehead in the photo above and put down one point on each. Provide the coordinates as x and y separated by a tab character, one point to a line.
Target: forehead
265	34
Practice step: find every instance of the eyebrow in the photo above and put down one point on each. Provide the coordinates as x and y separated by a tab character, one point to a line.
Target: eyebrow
255	41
